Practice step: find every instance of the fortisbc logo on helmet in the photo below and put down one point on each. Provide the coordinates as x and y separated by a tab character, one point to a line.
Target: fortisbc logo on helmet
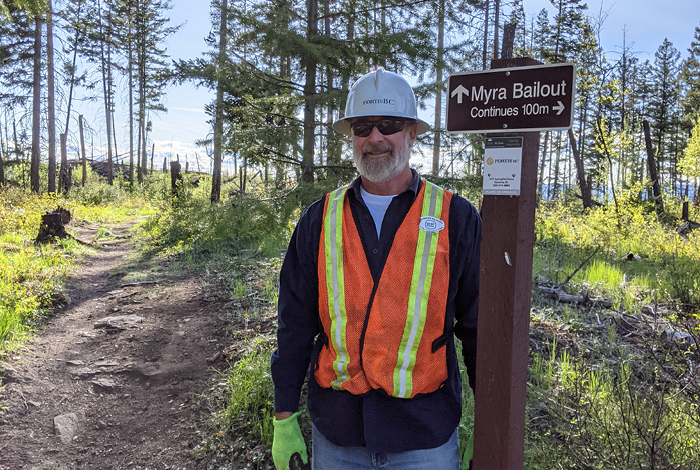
379	101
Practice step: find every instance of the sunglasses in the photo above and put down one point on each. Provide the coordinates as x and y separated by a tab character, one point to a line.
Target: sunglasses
363	128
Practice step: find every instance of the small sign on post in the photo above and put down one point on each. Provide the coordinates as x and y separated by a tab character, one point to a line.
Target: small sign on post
503	159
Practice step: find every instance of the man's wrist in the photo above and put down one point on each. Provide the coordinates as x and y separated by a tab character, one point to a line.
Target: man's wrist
283	415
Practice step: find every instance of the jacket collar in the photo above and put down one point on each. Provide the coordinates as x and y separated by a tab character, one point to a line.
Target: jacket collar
413	187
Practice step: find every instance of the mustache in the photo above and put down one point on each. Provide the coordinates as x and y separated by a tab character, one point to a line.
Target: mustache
377	148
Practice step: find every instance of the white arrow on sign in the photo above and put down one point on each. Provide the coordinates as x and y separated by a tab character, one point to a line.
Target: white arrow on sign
459	91
559	107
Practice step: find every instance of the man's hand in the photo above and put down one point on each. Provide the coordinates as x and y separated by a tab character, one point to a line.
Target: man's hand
287	441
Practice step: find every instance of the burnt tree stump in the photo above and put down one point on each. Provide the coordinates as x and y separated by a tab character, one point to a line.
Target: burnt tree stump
176	182
53	225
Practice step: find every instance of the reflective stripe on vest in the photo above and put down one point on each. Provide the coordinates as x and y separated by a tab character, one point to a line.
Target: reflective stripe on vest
420	284
333	241
390	363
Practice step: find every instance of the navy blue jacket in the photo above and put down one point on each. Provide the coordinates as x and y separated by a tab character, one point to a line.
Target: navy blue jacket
375	420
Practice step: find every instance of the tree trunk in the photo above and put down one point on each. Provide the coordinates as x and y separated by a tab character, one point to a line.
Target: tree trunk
114	138
138	145
555	184
2	166
580	172
72	73
82	150
105	92
495	29
219	120
545	148
653	174
144	154
610	165
50	100
334	145
175	179
109	111
129	70
143	127
486	35
63	181
19	154
307	163
438	90
36	110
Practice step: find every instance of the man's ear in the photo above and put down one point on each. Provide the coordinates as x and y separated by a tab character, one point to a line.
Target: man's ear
413	133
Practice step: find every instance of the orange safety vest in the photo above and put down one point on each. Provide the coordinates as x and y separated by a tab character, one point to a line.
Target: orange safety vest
401	352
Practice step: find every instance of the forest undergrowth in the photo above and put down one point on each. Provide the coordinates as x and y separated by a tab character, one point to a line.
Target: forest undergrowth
612	384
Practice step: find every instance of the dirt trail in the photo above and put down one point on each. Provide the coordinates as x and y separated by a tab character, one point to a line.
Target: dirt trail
124	393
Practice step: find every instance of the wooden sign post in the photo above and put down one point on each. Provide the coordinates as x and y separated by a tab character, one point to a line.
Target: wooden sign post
524	96
504	313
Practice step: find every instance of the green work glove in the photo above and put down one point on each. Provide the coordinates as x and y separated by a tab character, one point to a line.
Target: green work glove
468	453
288	444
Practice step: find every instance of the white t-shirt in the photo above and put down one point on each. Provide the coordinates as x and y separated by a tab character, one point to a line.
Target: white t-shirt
377	206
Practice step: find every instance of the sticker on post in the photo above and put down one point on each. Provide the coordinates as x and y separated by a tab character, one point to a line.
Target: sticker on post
503	157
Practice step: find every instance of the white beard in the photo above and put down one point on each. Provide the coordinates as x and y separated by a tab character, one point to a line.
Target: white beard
380	169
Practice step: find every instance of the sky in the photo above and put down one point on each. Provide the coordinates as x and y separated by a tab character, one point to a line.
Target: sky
647	23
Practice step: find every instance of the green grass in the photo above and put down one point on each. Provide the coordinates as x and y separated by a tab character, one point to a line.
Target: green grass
603	394
32	276
607	417
30	283
251	403
639	261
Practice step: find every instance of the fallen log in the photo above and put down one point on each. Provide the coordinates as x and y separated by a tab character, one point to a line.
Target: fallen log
559	294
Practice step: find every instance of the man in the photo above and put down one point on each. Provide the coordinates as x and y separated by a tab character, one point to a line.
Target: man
377	278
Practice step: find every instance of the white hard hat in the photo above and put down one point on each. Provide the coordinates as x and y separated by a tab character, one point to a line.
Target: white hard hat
380	93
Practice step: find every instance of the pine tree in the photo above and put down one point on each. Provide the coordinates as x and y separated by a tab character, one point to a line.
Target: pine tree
151	32
691	78
542	36
690	163
50	98
568	22
664	102
73	17
219	111
36	108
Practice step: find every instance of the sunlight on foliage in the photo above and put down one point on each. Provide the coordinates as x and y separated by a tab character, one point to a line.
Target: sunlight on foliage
32	276
252	395
631	256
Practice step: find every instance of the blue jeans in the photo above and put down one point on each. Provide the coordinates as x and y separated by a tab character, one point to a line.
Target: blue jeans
328	456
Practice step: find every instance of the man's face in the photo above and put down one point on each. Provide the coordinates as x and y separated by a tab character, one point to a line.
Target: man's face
379	157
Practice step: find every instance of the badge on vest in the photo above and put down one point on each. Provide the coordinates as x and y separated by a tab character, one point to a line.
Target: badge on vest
431	224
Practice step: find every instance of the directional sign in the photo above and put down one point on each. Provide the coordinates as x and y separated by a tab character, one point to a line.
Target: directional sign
517	99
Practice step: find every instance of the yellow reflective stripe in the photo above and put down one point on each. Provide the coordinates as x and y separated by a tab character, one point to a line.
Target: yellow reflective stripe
421	281
333	244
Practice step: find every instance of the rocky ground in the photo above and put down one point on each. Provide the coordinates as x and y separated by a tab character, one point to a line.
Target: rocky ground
111	381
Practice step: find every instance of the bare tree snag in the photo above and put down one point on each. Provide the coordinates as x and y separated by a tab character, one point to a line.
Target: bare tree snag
175	179
82	150
580	172
653	174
